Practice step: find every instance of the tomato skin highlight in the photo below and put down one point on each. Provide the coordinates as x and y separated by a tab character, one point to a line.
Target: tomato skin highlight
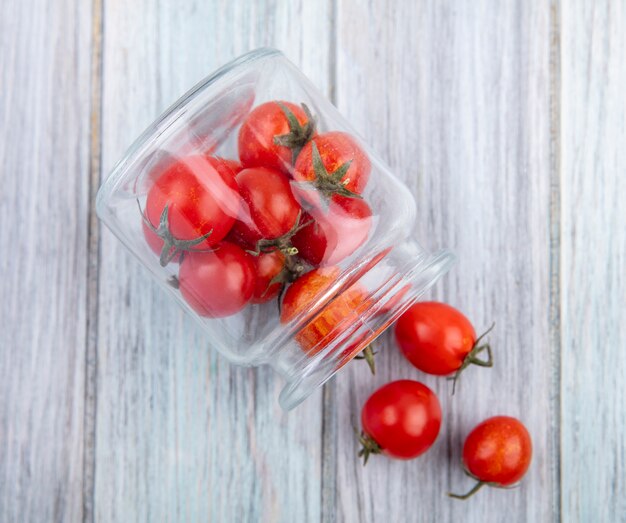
256	136
498	450
403	417
267	265
269	209
217	283
335	148
435	337
332	320
202	196
335	234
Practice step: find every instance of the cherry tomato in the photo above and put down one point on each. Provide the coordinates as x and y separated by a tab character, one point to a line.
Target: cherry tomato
269	210
497	453
333	320
217	283
273	133
438	339
333	163
401	420
268	267
333	235
191	206
218	162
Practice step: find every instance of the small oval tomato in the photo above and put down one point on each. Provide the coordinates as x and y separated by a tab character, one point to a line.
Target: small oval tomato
497	453
438	339
333	319
269	266
218	162
333	163
273	133
269	210
191	205
401	420
333	235
217	283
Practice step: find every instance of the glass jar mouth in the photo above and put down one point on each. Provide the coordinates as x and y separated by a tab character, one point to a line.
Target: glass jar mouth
400	294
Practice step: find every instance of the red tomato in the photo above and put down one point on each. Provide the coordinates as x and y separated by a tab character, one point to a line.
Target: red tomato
217	283
220	163
401	419
438	339
497	453
333	320
202	201
334	163
270	209
268	266
272	133
335	234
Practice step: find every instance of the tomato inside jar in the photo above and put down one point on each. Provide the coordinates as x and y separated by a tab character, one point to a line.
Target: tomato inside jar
252	202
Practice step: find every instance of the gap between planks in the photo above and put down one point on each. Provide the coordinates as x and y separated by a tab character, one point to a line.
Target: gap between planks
93	262
555	254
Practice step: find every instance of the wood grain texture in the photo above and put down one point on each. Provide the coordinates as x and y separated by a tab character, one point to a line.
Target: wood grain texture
181	434
594	260
456	97
506	120
44	151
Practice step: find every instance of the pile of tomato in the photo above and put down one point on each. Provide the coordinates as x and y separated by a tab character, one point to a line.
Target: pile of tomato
402	419
284	213
273	224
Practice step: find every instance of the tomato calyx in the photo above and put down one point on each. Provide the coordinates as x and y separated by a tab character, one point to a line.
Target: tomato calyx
329	184
172	246
473	359
368	447
290	272
479	484
470	493
368	354
298	134
293	267
282	243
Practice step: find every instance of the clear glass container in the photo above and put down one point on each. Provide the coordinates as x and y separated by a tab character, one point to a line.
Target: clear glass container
295	254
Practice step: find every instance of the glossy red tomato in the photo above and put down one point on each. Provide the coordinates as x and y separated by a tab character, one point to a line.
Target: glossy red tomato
333	320
438	339
334	163
497	452
272	135
269	210
268	266
218	162
335	234
217	283
401	419
202	201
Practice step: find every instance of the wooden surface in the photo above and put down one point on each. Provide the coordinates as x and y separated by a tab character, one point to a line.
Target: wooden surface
506	119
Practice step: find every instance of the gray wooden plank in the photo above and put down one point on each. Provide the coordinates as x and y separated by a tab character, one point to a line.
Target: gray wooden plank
44	205
456	96
181	434
593	260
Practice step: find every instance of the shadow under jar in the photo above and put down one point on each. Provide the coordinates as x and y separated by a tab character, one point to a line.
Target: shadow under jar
257	207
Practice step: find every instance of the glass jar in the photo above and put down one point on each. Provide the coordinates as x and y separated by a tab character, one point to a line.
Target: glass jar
257	207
